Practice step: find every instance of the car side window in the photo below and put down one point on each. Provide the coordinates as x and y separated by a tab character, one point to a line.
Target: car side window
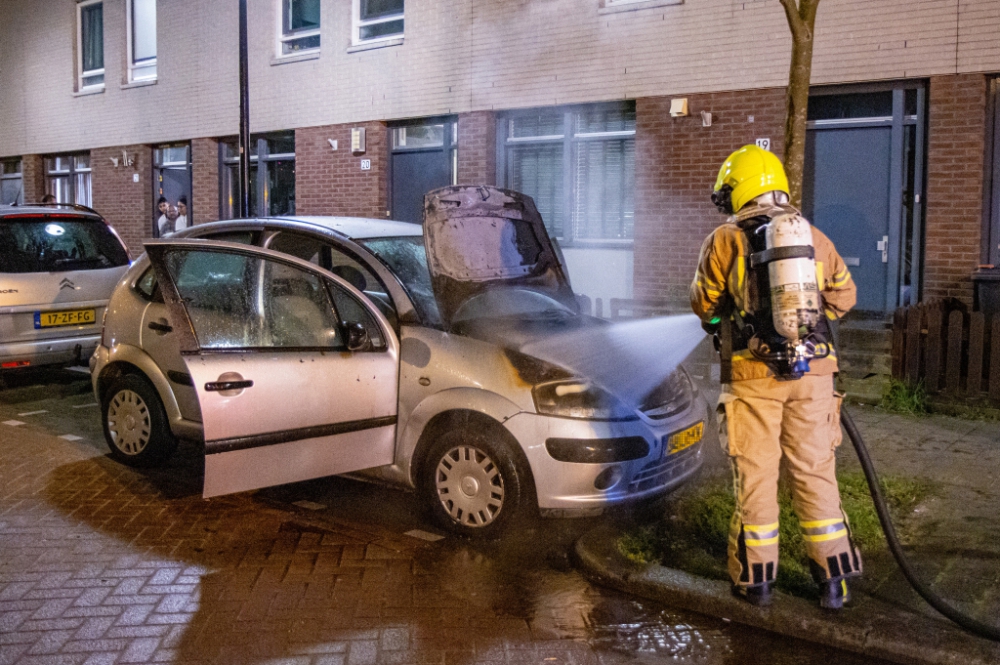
147	286
239	302
352	313
339	263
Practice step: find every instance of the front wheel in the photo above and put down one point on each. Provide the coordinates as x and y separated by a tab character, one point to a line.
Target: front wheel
472	483
135	423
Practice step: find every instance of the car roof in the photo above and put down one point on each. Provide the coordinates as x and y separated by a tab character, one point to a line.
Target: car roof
59	209
357	227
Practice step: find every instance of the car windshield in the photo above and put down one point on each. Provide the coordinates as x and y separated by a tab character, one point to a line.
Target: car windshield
54	245
406	257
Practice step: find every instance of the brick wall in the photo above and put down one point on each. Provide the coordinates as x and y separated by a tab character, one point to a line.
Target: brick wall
677	161
477	148
33	178
204	181
125	204
955	148
329	182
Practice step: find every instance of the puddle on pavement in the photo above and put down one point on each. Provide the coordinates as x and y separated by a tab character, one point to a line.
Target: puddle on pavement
527	582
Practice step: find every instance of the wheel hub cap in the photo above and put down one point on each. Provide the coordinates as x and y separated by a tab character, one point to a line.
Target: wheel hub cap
129	422
469	486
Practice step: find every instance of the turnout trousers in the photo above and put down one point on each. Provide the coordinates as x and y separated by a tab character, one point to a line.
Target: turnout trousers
763	422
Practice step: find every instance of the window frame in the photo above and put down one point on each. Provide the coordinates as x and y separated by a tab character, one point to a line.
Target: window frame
357	24
990	236
81	73
285	35
11	177
73	175
569	139
146	63
228	201
611	6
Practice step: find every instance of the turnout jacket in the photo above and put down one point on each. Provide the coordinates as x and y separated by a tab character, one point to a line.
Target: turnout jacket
721	284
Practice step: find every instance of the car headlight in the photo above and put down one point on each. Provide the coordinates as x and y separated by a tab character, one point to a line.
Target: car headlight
669	398
579	398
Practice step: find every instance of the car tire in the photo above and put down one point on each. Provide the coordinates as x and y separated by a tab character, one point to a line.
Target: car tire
473	484
135	423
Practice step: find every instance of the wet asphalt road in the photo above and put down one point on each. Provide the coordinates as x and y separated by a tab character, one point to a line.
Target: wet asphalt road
524	586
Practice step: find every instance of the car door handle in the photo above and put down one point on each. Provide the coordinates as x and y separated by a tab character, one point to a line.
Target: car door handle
217	386
160	327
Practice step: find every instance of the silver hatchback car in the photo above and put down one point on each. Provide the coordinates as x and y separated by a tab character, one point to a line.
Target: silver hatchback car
58	266
306	347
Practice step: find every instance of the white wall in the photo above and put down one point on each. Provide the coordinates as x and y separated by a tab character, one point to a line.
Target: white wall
457	56
600	273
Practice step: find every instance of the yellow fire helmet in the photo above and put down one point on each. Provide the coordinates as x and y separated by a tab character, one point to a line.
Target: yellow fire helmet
750	172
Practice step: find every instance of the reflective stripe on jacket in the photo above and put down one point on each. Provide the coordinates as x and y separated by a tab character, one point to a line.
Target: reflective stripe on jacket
723	268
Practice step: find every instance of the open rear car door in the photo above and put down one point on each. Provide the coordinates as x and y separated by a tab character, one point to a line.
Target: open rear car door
295	370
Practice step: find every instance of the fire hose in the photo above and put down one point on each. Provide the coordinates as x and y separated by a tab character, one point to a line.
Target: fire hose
965	621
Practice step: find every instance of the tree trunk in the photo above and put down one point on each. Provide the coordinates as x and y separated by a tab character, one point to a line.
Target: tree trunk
801	21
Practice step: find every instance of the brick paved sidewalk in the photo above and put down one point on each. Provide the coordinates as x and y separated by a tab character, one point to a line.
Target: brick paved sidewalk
103	564
956	534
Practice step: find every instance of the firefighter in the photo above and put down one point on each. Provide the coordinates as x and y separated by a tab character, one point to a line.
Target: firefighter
767	410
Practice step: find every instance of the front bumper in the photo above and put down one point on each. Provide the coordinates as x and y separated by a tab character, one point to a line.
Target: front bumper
51	351
571	489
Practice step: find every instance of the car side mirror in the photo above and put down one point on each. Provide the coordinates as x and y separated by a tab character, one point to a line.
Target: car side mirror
357	336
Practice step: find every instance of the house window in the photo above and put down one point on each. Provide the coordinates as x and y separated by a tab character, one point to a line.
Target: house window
299	26
90	37
142	40
67	177
272	176
11	184
578	165
377	20
607	6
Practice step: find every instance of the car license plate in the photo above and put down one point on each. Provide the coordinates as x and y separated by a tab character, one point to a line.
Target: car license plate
678	441
70	317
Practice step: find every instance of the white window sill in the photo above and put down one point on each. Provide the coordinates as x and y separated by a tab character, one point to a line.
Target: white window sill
93	90
295	57
382	43
138	84
617	7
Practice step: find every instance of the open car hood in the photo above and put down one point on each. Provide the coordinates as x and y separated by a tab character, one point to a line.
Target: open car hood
480	239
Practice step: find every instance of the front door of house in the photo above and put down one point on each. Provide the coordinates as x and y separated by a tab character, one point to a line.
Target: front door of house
861	186
423	159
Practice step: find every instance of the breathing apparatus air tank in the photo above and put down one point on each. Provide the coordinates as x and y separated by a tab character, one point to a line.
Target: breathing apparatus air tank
796	307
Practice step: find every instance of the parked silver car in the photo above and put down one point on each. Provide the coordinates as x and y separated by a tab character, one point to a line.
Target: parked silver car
301	348
58	266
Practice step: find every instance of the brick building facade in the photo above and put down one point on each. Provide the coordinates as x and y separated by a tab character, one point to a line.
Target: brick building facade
482	70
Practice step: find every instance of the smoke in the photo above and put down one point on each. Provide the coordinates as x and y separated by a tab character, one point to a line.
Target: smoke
628	359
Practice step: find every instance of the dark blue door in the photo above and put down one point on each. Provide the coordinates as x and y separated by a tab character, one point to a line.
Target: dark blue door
845	193
422	160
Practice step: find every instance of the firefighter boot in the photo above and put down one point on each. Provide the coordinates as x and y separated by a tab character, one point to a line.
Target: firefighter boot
834	593
758	595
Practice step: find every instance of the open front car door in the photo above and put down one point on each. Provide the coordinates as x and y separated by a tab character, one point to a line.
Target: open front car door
295	370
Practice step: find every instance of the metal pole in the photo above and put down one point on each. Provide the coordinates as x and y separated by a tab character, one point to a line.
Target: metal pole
244	116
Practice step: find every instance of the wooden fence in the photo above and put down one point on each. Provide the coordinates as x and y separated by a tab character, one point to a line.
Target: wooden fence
954	352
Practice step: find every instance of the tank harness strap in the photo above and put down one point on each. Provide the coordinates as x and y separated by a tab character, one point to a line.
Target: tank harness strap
726	350
779	253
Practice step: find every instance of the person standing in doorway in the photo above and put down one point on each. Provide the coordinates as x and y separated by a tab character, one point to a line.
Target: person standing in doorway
164	224
182	214
769	411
